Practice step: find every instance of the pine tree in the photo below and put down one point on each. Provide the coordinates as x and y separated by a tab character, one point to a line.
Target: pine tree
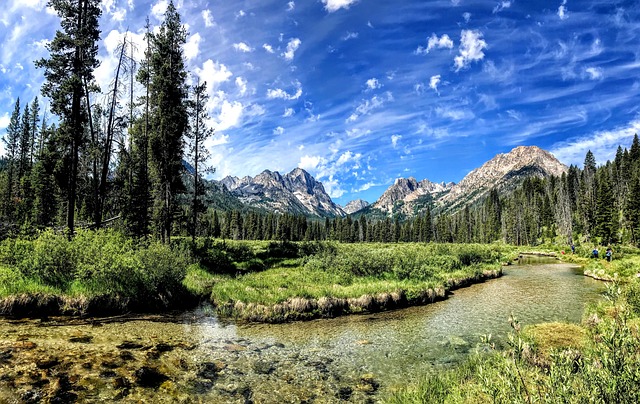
197	152
12	143
70	66
168	119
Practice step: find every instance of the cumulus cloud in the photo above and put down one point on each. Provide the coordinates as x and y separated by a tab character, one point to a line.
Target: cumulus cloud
433	83
435	42
335	5
207	18
562	10
291	5
466	16
373	84
230	114
292	47
192	47
4	121
242	47
214	73
394	140
471	48
594	73
158	9
278	131
268	48
241	83
501	6
288	112
602	144
275	93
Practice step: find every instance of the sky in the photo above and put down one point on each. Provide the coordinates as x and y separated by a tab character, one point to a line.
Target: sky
361	92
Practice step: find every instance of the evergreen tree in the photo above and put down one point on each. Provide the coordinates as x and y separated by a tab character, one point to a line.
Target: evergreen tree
168	118
12	143
68	70
197	152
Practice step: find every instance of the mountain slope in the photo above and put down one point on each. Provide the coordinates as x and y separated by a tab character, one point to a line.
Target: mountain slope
503	172
296	192
407	196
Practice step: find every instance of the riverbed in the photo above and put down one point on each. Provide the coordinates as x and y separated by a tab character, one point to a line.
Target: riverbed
194	357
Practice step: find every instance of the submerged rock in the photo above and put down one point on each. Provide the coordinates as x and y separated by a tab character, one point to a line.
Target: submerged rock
263	367
129	345
149	377
210	370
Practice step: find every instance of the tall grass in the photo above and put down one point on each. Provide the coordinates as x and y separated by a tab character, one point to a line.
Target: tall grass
598	362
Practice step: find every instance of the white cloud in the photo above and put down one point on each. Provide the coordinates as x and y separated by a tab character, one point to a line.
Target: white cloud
213	73
158	9
4	121
335	5
288	112
602	144
471	48
242	47
241	83
292	47
278	131
281	94
309	163
373	84
455	2
466	16
366	186
217	140
501	6
192	47
291	5
594	73
350	35
367	106
435	43
240	14
208	18
394	140
230	115
268	48
349	157
433	83
454	114
562	10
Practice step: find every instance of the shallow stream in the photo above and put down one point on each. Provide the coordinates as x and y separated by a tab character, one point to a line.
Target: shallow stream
193	357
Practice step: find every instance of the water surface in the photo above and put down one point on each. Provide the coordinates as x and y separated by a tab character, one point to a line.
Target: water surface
193	357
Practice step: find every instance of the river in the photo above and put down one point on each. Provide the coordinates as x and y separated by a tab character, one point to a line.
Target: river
193	357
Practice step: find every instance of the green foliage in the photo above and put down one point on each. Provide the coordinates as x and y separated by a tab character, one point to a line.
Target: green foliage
96	263
550	363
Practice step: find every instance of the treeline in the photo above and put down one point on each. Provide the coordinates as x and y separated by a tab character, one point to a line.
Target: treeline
115	154
592	204
120	157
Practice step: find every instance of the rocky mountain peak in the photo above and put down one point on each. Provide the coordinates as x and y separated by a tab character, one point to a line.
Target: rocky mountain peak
355	206
504	171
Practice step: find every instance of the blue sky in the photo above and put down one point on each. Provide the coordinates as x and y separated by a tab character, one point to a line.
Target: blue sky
360	92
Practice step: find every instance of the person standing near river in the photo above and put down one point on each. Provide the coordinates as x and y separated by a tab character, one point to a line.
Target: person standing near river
609	254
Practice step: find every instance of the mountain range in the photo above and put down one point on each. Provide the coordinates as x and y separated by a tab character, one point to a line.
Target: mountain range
297	192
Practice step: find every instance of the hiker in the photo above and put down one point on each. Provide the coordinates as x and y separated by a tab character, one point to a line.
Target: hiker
594	253
573	248
609	254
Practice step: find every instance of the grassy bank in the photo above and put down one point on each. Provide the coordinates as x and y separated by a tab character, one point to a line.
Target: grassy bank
99	272
352	278
597	361
103	272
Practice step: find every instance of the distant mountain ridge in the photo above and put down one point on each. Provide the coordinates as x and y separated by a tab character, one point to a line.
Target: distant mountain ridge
298	192
295	192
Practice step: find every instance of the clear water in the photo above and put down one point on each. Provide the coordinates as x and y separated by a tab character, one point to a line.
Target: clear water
350	358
